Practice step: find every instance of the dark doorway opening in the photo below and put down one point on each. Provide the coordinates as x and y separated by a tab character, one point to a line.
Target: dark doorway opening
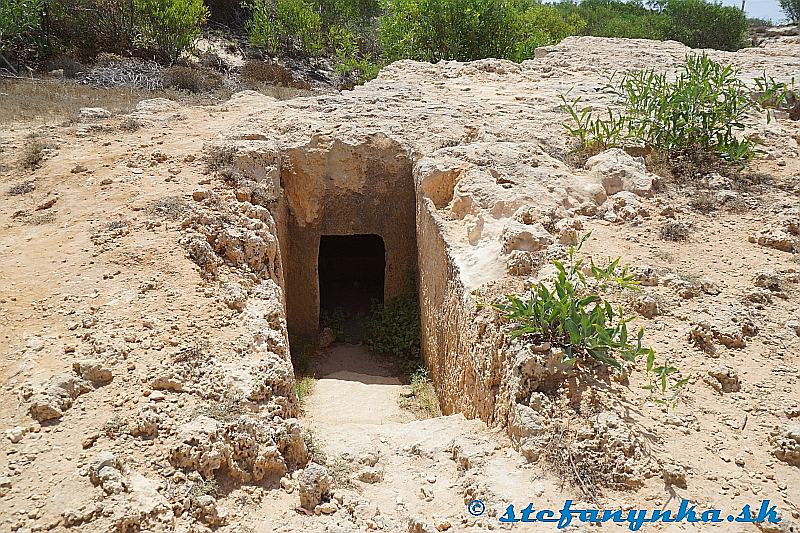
351	273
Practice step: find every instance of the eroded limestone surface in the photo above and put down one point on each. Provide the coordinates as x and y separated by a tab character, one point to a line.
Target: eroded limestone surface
152	381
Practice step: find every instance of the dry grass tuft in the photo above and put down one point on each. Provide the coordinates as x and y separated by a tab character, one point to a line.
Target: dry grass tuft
270	72
21	188
191	79
675	230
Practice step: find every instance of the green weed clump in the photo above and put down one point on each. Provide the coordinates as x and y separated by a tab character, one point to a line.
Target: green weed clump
423	399
699	111
575	315
393	329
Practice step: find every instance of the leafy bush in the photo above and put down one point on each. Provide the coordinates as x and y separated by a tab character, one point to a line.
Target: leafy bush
20	21
464	30
792	9
575	316
699	111
700	24
86	28
168	27
393	329
286	26
615	18
350	60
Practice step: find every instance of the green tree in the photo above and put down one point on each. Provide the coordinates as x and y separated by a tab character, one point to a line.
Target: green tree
168	27
792	10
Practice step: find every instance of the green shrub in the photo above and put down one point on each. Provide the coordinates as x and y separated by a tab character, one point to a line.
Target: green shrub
792	10
350	60
335	12
576	319
168	27
576	316
695	23
286	26
701	24
699	111
393	329
20	21
86	28
464	30
615	18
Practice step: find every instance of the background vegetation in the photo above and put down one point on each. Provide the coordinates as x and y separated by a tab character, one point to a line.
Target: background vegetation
359	35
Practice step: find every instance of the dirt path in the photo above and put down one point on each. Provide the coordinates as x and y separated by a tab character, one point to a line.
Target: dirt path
389	467
353	390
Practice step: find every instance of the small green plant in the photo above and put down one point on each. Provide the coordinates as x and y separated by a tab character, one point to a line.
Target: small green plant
658	378
701	110
303	386
168	27
574	317
393	329
423	397
115	427
594	133
286	26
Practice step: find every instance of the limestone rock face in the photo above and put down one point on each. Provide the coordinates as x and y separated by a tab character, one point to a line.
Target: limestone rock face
786	442
617	171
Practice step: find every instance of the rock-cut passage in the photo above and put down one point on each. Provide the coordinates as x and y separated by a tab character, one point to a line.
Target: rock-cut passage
351	272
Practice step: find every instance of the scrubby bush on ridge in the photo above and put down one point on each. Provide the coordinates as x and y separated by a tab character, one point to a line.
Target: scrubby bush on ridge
700	111
286	27
464	30
168	27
